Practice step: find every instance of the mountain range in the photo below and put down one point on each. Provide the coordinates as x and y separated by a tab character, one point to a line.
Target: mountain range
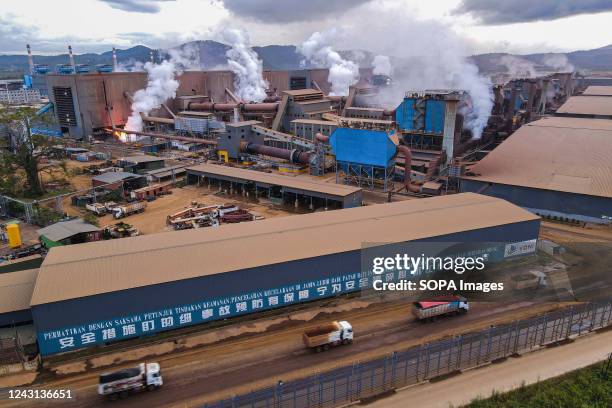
283	57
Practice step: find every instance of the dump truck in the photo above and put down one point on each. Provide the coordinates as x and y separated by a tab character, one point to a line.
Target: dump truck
96	208
429	310
331	334
119	384
121	211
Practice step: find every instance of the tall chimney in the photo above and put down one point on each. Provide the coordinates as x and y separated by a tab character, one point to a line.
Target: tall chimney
114	59
30	59
71	56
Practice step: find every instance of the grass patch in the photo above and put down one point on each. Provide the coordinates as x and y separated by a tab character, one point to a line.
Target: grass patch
588	387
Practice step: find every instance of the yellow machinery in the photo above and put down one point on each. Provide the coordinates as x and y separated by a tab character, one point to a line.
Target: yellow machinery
14	235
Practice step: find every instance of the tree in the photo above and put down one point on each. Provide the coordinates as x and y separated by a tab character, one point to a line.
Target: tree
23	152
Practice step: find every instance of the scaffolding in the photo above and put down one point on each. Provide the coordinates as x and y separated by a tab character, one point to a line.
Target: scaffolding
365	176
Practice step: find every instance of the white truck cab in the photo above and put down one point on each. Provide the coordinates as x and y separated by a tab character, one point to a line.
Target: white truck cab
346	332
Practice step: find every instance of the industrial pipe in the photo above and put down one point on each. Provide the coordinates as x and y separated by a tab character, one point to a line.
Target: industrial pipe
321	137
155	119
169	137
407	153
293	156
389	112
260	107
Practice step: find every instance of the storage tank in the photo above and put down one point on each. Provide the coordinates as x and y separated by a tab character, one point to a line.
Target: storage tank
14	235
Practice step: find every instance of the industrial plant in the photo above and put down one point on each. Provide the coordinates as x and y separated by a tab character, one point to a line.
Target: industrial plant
187	212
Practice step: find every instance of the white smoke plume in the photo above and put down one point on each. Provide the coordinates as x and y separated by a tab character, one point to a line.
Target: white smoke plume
130	65
382	65
318	50
518	67
426	54
558	62
162	84
245	64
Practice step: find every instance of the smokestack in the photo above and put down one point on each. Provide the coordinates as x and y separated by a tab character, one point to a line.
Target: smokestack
71	56
114	59
30	59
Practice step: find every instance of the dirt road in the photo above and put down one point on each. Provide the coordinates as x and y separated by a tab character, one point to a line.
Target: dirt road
505	376
243	364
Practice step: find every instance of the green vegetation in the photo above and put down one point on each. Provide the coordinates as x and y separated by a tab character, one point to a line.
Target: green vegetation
588	387
21	164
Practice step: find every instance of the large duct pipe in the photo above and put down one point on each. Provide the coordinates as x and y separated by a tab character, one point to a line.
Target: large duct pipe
156	119
30	59
169	137
211	106
260	107
114	59
407	153
72	64
389	112
293	156
321	137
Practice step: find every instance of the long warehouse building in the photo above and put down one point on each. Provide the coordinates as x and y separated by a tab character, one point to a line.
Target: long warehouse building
101	292
285	188
555	167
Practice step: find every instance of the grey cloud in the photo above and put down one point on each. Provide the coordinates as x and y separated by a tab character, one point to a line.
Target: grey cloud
519	11
136	6
288	11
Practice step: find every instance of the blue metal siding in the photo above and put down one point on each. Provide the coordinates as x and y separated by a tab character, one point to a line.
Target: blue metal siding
92	315
361	146
434	116
546	202
16	317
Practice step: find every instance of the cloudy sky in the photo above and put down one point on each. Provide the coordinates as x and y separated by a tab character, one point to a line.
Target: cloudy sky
383	26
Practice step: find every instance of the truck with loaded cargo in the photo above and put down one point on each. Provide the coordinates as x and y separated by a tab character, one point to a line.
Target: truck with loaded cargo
331	334
96	208
430	310
119	384
121	211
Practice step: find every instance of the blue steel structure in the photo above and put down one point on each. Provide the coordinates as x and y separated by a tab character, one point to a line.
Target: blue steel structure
364	157
427	120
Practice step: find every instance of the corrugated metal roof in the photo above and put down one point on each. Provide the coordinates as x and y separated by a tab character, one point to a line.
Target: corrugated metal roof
573	123
99	267
65	229
140	159
112	177
16	290
587	105
562	154
598	90
334	189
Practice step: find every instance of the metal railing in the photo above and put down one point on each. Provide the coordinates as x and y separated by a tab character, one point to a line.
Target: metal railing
371	378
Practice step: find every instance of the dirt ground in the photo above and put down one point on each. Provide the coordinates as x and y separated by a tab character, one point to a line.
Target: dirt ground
247	362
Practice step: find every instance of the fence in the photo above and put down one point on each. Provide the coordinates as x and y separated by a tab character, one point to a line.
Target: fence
363	380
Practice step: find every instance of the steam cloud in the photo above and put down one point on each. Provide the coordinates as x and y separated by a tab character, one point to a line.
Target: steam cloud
518	67
161	85
381	65
558	62
246	66
342	73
